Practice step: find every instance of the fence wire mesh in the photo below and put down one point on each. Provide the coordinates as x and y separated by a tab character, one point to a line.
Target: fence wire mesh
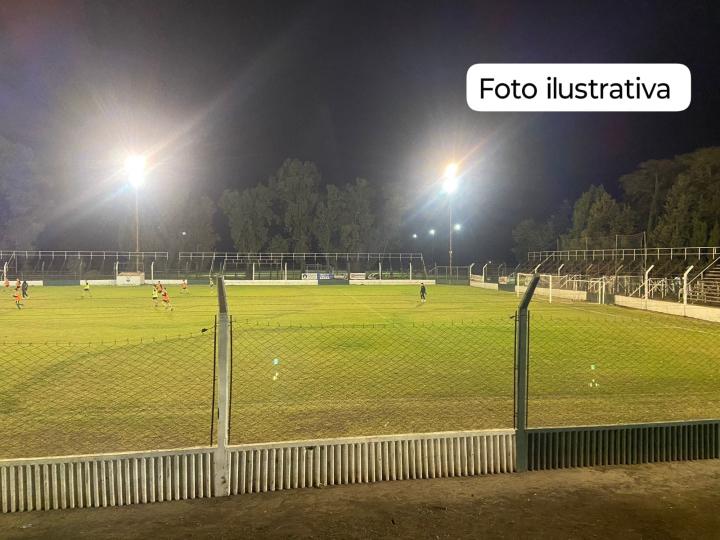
63	399
303	382
596	370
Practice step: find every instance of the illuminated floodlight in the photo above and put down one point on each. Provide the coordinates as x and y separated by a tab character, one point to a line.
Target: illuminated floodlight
135	170
431	232
414	235
450	179
457	227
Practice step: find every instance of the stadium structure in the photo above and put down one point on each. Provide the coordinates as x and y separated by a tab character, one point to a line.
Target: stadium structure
680	274
69	267
690	275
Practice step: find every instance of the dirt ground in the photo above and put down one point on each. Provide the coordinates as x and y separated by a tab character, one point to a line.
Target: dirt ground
669	500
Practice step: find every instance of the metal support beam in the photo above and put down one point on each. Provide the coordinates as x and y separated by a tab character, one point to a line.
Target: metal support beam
646	283
522	357
685	289
221	472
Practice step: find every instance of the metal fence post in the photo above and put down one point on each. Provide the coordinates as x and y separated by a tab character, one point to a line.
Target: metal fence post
551	287
522	354
685	289
220	477
647	283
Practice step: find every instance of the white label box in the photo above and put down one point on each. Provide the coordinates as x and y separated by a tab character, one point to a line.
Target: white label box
579	87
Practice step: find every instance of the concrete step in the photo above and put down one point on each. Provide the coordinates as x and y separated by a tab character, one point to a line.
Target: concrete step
704	298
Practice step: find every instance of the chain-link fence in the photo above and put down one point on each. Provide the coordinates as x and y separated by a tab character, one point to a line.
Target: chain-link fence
451	275
303	382
62	399
621	369
313	381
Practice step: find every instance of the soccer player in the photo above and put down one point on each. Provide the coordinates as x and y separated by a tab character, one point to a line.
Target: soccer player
184	287
211	282
24	288
159	287
86	289
18	299
423	293
155	296
166	300
17	284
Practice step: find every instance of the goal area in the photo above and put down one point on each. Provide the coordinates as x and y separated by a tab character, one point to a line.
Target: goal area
567	288
130	279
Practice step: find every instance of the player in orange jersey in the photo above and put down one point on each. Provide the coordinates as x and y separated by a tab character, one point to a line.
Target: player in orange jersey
166	300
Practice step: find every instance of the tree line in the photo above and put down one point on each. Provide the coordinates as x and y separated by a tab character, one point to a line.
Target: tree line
294	212
291	211
666	202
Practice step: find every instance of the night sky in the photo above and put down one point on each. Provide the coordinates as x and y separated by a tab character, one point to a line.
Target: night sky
222	92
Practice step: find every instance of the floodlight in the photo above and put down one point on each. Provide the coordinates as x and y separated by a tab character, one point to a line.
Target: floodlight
135	169
414	235
431	232
450	182
457	227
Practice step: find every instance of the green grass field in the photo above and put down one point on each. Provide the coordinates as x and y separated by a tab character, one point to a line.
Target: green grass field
111	372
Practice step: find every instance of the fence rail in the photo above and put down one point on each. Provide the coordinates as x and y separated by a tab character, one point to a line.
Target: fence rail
626	253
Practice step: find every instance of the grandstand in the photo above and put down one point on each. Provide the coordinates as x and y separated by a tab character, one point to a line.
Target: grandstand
650	273
292	266
58	267
71	266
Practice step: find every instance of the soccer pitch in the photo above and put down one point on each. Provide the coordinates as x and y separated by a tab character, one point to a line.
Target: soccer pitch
112	372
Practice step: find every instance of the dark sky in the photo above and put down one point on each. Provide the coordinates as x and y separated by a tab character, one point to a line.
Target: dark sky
222	92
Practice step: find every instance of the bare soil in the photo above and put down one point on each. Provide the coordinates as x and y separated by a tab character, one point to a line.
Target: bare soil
669	500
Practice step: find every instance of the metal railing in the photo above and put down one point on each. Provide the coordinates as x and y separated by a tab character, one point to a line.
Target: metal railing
626	253
83	254
281	257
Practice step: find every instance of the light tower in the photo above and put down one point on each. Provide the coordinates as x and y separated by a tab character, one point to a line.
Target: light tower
450	185
135	170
